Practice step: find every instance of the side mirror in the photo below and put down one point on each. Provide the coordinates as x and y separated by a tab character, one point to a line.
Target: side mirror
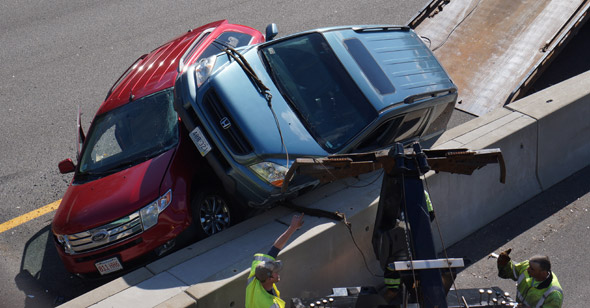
271	31
66	166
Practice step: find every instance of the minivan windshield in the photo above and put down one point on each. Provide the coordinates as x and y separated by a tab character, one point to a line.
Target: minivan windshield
320	90
130	134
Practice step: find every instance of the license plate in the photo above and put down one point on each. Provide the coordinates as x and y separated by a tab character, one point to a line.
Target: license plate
108	266
200	141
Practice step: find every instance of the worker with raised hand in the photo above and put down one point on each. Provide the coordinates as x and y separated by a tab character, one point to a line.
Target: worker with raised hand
261	291
536	286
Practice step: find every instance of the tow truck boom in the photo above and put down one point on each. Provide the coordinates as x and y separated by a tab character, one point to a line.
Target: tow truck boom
402	209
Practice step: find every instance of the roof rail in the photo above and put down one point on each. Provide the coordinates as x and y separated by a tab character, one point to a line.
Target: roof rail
379	28
124	74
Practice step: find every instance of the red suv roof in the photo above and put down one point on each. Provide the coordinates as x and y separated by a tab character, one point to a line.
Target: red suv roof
157	70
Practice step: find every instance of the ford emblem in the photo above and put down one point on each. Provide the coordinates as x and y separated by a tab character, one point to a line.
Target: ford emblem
225	123
100	236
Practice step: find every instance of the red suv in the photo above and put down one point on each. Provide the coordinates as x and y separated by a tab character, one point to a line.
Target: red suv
140	181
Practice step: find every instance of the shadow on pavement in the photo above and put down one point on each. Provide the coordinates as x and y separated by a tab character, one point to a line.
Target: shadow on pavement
43	277
45	281
527	215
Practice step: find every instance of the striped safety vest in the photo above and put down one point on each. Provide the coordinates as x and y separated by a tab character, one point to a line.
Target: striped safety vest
256	295
550	296
392	279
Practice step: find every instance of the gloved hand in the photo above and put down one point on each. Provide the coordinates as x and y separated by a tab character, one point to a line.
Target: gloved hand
432	216
503	258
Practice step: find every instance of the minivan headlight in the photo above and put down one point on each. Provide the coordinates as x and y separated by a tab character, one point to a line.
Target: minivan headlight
150	213
203	69
270	172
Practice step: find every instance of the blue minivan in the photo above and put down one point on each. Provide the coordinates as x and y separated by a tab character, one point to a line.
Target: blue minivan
253	111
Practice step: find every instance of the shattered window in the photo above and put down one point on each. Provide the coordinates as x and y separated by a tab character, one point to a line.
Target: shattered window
130	134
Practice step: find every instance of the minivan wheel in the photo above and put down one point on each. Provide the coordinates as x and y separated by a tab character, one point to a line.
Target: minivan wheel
211	211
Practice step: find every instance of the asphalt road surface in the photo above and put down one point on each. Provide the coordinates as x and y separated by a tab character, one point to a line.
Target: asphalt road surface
555	223
58	55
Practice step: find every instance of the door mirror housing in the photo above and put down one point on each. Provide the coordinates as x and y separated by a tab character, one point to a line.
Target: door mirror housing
271	31
66	166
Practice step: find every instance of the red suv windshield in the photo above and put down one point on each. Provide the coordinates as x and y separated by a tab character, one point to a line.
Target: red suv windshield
130	134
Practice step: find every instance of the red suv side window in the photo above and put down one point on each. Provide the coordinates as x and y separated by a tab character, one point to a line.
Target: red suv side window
233	39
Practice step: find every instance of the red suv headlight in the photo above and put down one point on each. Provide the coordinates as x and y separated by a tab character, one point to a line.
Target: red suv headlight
149	214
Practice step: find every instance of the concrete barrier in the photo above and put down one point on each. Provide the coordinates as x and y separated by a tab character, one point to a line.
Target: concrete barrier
544	138
306	271
542	142
465	203
563	119
214	270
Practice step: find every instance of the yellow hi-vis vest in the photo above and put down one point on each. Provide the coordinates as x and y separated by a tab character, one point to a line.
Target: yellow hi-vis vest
428	202
548	297
392	278
256	295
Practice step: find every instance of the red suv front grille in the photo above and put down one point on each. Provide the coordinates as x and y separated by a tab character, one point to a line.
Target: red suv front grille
106	235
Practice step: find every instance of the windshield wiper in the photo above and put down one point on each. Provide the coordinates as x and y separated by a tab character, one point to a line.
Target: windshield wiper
260	86
118	167
245	66
87	176
243	63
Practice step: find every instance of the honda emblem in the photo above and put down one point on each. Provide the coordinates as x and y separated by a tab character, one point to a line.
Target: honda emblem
225	123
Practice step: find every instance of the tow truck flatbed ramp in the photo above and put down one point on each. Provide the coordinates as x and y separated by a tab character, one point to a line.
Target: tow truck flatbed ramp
494	49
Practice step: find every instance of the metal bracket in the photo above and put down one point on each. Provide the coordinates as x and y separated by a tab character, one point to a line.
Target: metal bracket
427	264
331	168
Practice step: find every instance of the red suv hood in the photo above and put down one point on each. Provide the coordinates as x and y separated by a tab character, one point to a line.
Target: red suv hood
93	204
